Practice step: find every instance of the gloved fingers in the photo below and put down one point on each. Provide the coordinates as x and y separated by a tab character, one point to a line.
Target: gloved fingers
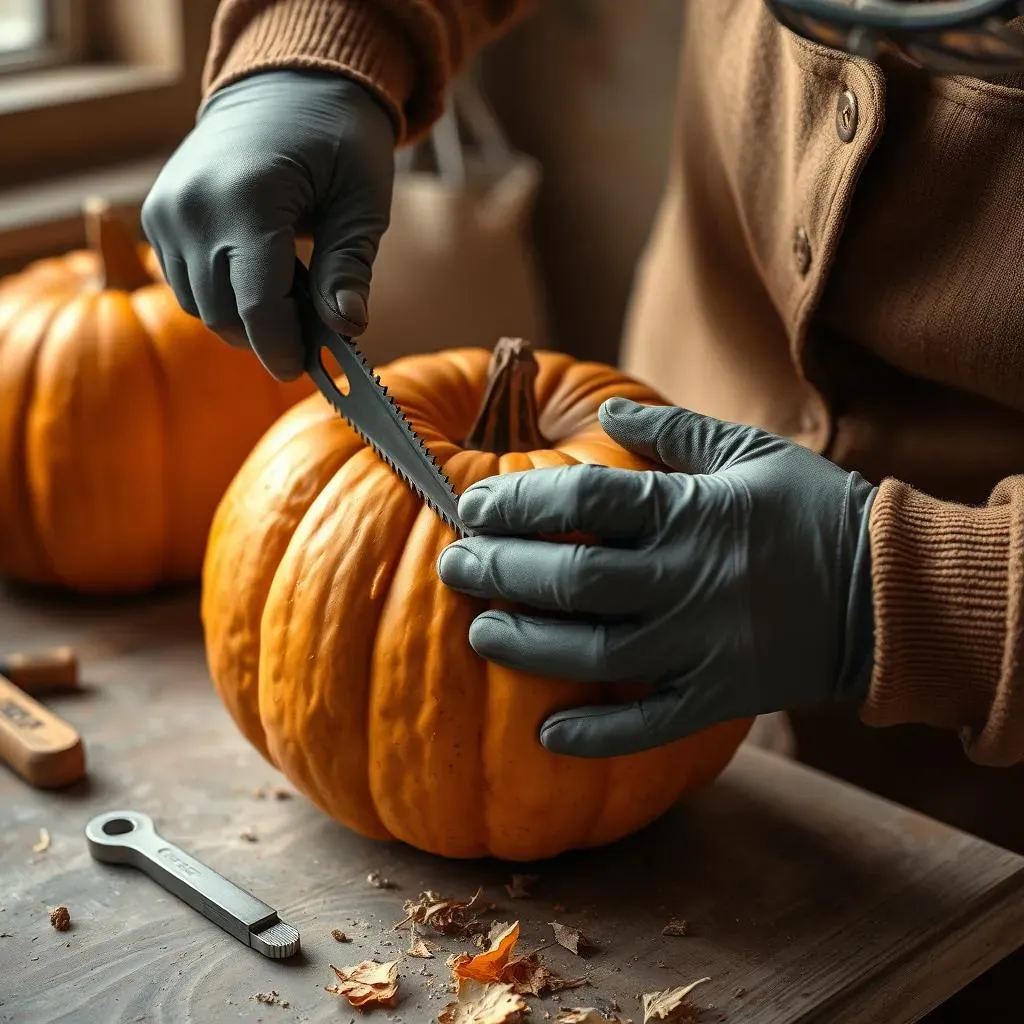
341	278
261	273
345	246
214	294
613	504
618	729
683	440
584	651
548	575
176	272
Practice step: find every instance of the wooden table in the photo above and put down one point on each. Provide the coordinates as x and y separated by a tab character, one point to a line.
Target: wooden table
807	900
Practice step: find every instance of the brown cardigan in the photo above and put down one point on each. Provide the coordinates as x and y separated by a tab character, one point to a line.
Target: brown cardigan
837	259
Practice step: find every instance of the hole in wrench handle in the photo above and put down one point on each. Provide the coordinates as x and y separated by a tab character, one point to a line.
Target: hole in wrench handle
129	837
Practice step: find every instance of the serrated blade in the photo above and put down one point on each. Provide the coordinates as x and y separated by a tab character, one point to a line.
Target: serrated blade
370	411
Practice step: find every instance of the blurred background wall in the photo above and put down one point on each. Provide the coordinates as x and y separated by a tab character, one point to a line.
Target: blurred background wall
588	87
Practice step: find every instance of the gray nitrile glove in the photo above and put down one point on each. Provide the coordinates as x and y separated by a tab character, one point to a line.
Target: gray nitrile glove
739	584
271	155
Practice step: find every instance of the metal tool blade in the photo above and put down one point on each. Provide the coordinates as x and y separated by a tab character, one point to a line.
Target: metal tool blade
368	408
128	837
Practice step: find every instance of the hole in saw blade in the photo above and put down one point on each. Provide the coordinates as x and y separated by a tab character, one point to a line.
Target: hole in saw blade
333	368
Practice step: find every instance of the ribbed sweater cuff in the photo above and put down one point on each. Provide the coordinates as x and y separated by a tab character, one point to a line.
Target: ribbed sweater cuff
364	40
941	574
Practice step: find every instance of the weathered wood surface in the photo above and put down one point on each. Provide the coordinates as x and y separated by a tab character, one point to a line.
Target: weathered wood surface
819	902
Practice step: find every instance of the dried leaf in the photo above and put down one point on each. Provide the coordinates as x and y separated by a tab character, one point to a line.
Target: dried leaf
378	881
497	929
339	936
529	976
520	886
483	1004
42	844
60	918
487	966
580	1015
448	916
571	938
367	984
670	1004
677	927
419	948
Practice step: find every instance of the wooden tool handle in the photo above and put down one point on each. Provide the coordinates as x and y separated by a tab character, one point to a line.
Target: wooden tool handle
42	748
41	671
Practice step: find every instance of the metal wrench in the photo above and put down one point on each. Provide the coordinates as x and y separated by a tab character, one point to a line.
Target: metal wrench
128	837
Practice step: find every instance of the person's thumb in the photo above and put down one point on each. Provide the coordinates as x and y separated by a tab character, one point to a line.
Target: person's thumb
683	440
341	269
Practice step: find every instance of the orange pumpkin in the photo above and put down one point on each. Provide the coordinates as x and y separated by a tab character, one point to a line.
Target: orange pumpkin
345	660
122	419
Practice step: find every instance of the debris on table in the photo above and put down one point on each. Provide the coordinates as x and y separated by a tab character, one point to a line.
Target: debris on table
526	975
339	936
367	984
419	948
671	1005
277	792
582	1015
739	993
448	916
60	918
249	835
520	888
571	938
529	976
378	881
271	998
42	844
677	928
487	966
480	1003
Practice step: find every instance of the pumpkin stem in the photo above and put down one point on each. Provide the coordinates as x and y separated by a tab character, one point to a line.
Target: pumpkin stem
108	236
508	420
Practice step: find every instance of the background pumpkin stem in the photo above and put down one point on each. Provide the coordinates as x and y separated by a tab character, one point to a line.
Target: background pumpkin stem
508	420
108	236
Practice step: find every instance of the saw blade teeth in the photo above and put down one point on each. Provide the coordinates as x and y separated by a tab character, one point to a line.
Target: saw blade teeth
431	457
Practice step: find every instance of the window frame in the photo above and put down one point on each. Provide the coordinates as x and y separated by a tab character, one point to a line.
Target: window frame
64	43
99	123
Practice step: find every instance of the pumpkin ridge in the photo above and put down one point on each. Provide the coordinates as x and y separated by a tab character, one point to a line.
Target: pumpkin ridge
20	484
162	386
83	306
295	564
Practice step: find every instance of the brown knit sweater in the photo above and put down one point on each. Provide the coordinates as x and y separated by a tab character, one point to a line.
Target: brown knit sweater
862	295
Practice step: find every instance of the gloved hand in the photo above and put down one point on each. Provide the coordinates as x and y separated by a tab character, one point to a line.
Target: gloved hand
738	585
270	155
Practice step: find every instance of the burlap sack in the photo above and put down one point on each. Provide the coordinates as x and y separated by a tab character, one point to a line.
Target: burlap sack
457	267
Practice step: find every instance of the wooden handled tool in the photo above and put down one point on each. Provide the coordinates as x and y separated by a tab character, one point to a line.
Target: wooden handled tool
42	748
41	671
